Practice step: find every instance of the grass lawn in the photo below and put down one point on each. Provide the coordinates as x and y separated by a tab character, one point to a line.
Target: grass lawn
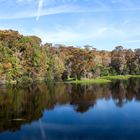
120	77
91	81
104	79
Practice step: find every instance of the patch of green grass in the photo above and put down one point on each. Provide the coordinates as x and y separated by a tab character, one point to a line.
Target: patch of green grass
120	77
91	81
104	79
135	76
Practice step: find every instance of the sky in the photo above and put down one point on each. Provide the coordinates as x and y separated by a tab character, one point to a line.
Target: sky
102	24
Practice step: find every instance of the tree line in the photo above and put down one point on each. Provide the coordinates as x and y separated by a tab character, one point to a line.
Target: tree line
26	59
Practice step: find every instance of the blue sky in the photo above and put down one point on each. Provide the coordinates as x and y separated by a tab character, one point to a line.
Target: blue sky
103	24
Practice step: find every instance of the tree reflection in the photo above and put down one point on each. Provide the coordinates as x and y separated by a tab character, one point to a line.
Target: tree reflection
20	106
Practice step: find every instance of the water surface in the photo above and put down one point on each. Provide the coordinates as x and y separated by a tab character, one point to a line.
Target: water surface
71	112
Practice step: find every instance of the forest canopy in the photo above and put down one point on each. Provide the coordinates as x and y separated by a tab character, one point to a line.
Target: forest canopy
25	59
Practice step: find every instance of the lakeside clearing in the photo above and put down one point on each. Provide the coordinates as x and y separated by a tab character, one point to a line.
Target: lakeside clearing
104	79
120	77
91	81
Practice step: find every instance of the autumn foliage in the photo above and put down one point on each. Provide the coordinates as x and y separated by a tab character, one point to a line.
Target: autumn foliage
25	59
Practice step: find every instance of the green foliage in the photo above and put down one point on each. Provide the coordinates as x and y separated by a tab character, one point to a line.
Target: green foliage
25	40
105	71
112	71
50	73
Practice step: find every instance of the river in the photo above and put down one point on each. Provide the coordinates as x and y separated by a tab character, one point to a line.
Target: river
64	111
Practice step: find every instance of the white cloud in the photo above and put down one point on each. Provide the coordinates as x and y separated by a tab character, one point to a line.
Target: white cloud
58	36
39	8
72	35
132	41
40	5
46	11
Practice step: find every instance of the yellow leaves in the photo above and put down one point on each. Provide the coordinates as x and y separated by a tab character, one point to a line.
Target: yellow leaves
7	65
59	64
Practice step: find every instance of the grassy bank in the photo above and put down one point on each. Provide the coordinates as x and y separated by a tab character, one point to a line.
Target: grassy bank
104	79
101	80
120	77
91	81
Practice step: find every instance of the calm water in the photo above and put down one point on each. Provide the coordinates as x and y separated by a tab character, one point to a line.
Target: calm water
71	112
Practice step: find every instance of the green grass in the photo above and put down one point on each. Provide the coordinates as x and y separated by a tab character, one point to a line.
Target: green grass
135	76
104	79
120	77
91	81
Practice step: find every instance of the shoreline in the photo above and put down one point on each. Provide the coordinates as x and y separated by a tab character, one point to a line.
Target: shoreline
99	80
104	79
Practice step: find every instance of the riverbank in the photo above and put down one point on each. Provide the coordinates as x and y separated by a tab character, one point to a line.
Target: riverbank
91	81
104	79
120	77
100	80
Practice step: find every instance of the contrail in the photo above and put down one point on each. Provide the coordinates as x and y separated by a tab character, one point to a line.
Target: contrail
40	4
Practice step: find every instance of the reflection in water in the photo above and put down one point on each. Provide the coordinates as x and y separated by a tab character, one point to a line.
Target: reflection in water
58	102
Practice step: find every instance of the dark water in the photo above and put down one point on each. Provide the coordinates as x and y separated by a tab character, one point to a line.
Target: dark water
71	112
